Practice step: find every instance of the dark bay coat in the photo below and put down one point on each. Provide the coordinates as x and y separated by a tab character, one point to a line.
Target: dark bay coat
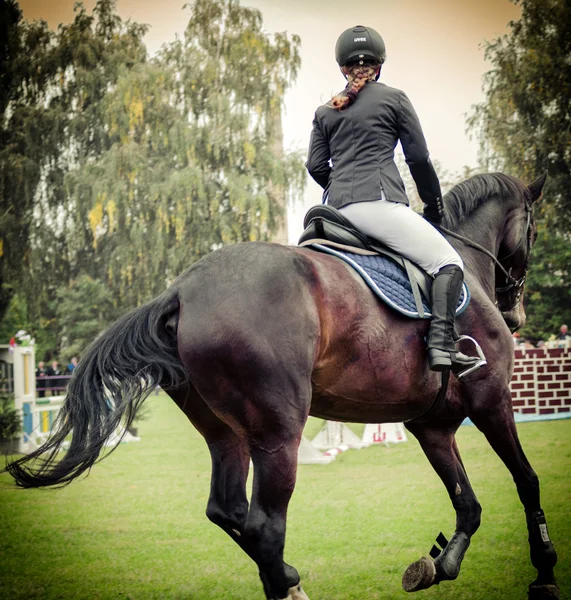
360	141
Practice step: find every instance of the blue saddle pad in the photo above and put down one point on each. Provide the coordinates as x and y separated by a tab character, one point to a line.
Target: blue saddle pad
389	281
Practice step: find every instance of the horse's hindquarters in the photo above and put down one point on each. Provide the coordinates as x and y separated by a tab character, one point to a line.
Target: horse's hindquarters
247	332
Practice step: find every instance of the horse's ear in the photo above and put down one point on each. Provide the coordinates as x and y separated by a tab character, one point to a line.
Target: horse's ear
536	187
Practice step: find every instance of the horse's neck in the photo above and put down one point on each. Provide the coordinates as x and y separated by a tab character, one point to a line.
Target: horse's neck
485	227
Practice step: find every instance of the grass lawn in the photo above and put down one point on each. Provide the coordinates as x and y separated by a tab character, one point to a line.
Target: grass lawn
136	529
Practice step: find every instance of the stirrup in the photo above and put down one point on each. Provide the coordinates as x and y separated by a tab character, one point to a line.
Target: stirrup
480	361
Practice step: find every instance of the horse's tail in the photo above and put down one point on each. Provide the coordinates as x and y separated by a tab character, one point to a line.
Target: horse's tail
117	372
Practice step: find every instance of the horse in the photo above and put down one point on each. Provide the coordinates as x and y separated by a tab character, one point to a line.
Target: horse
255	337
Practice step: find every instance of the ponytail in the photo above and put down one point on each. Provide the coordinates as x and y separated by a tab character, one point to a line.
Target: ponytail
357	75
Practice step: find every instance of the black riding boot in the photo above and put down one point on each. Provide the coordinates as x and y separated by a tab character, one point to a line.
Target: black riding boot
442	353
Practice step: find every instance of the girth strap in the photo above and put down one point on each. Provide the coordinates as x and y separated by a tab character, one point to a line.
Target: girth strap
415	288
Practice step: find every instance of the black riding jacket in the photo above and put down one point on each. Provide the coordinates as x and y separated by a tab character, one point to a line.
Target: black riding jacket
360	141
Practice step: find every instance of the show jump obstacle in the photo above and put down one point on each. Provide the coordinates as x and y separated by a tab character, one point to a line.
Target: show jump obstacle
38	414
541	383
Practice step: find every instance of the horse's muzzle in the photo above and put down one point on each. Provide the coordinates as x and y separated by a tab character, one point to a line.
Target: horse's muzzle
515	318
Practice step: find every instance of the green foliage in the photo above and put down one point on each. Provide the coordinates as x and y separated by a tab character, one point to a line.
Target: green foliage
548	288
42	329
16	319
53	84
10	422
524	122
195	159
524	129
24	124
84	310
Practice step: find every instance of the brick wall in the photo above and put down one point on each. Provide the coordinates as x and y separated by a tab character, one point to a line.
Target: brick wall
541	383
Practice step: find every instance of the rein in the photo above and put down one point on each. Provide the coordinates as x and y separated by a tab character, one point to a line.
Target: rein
510	280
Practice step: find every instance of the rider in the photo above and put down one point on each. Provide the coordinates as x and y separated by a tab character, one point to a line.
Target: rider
351	155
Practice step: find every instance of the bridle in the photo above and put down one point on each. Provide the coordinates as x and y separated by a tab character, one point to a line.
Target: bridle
511	282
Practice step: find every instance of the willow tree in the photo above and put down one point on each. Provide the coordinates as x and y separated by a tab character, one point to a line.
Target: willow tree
196	158
24	124
524	128
52	88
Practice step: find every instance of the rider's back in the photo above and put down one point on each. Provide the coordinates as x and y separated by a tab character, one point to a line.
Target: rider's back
362	139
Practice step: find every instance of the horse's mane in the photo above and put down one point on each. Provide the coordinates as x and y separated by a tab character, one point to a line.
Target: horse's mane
465	197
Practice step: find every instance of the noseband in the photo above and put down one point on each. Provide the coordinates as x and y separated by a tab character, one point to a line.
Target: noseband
511	282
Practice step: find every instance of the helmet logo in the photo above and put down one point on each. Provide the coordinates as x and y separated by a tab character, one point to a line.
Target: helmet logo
360	39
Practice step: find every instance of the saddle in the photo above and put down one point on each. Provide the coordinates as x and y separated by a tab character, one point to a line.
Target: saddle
400	283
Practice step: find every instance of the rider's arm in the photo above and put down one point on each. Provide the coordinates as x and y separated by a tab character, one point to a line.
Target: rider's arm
417	157
318	158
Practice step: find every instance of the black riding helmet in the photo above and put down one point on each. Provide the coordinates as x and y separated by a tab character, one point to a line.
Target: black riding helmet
360	44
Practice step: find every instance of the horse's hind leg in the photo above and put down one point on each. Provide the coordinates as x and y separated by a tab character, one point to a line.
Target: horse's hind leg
441	450
275	469
260	528
228	503
498	425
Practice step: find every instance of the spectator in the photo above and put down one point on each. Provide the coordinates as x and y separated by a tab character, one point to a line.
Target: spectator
516	338
72	365
563	338
54	382
41	381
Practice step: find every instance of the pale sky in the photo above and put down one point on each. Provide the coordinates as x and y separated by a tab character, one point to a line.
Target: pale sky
434	54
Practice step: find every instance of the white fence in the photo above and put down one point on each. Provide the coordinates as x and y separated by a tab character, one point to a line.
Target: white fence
38	418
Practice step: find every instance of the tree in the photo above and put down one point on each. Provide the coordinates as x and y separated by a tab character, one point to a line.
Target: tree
84	310
548	289
43	330
524	129
196	156
96	50
24	123
52	86
15	320
523	124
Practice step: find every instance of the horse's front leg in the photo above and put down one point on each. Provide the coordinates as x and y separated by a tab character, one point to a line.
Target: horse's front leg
497	423
440	447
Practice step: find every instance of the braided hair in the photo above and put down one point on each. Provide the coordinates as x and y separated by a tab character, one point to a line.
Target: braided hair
358	74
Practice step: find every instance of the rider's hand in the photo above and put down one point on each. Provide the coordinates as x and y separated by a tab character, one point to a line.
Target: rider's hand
434	212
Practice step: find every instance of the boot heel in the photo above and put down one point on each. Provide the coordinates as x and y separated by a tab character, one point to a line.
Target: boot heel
439	360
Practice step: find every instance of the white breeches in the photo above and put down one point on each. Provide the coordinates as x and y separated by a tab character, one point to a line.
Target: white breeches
405	232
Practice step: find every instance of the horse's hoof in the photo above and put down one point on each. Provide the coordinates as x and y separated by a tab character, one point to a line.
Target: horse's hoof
296	593
543	592
419	576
